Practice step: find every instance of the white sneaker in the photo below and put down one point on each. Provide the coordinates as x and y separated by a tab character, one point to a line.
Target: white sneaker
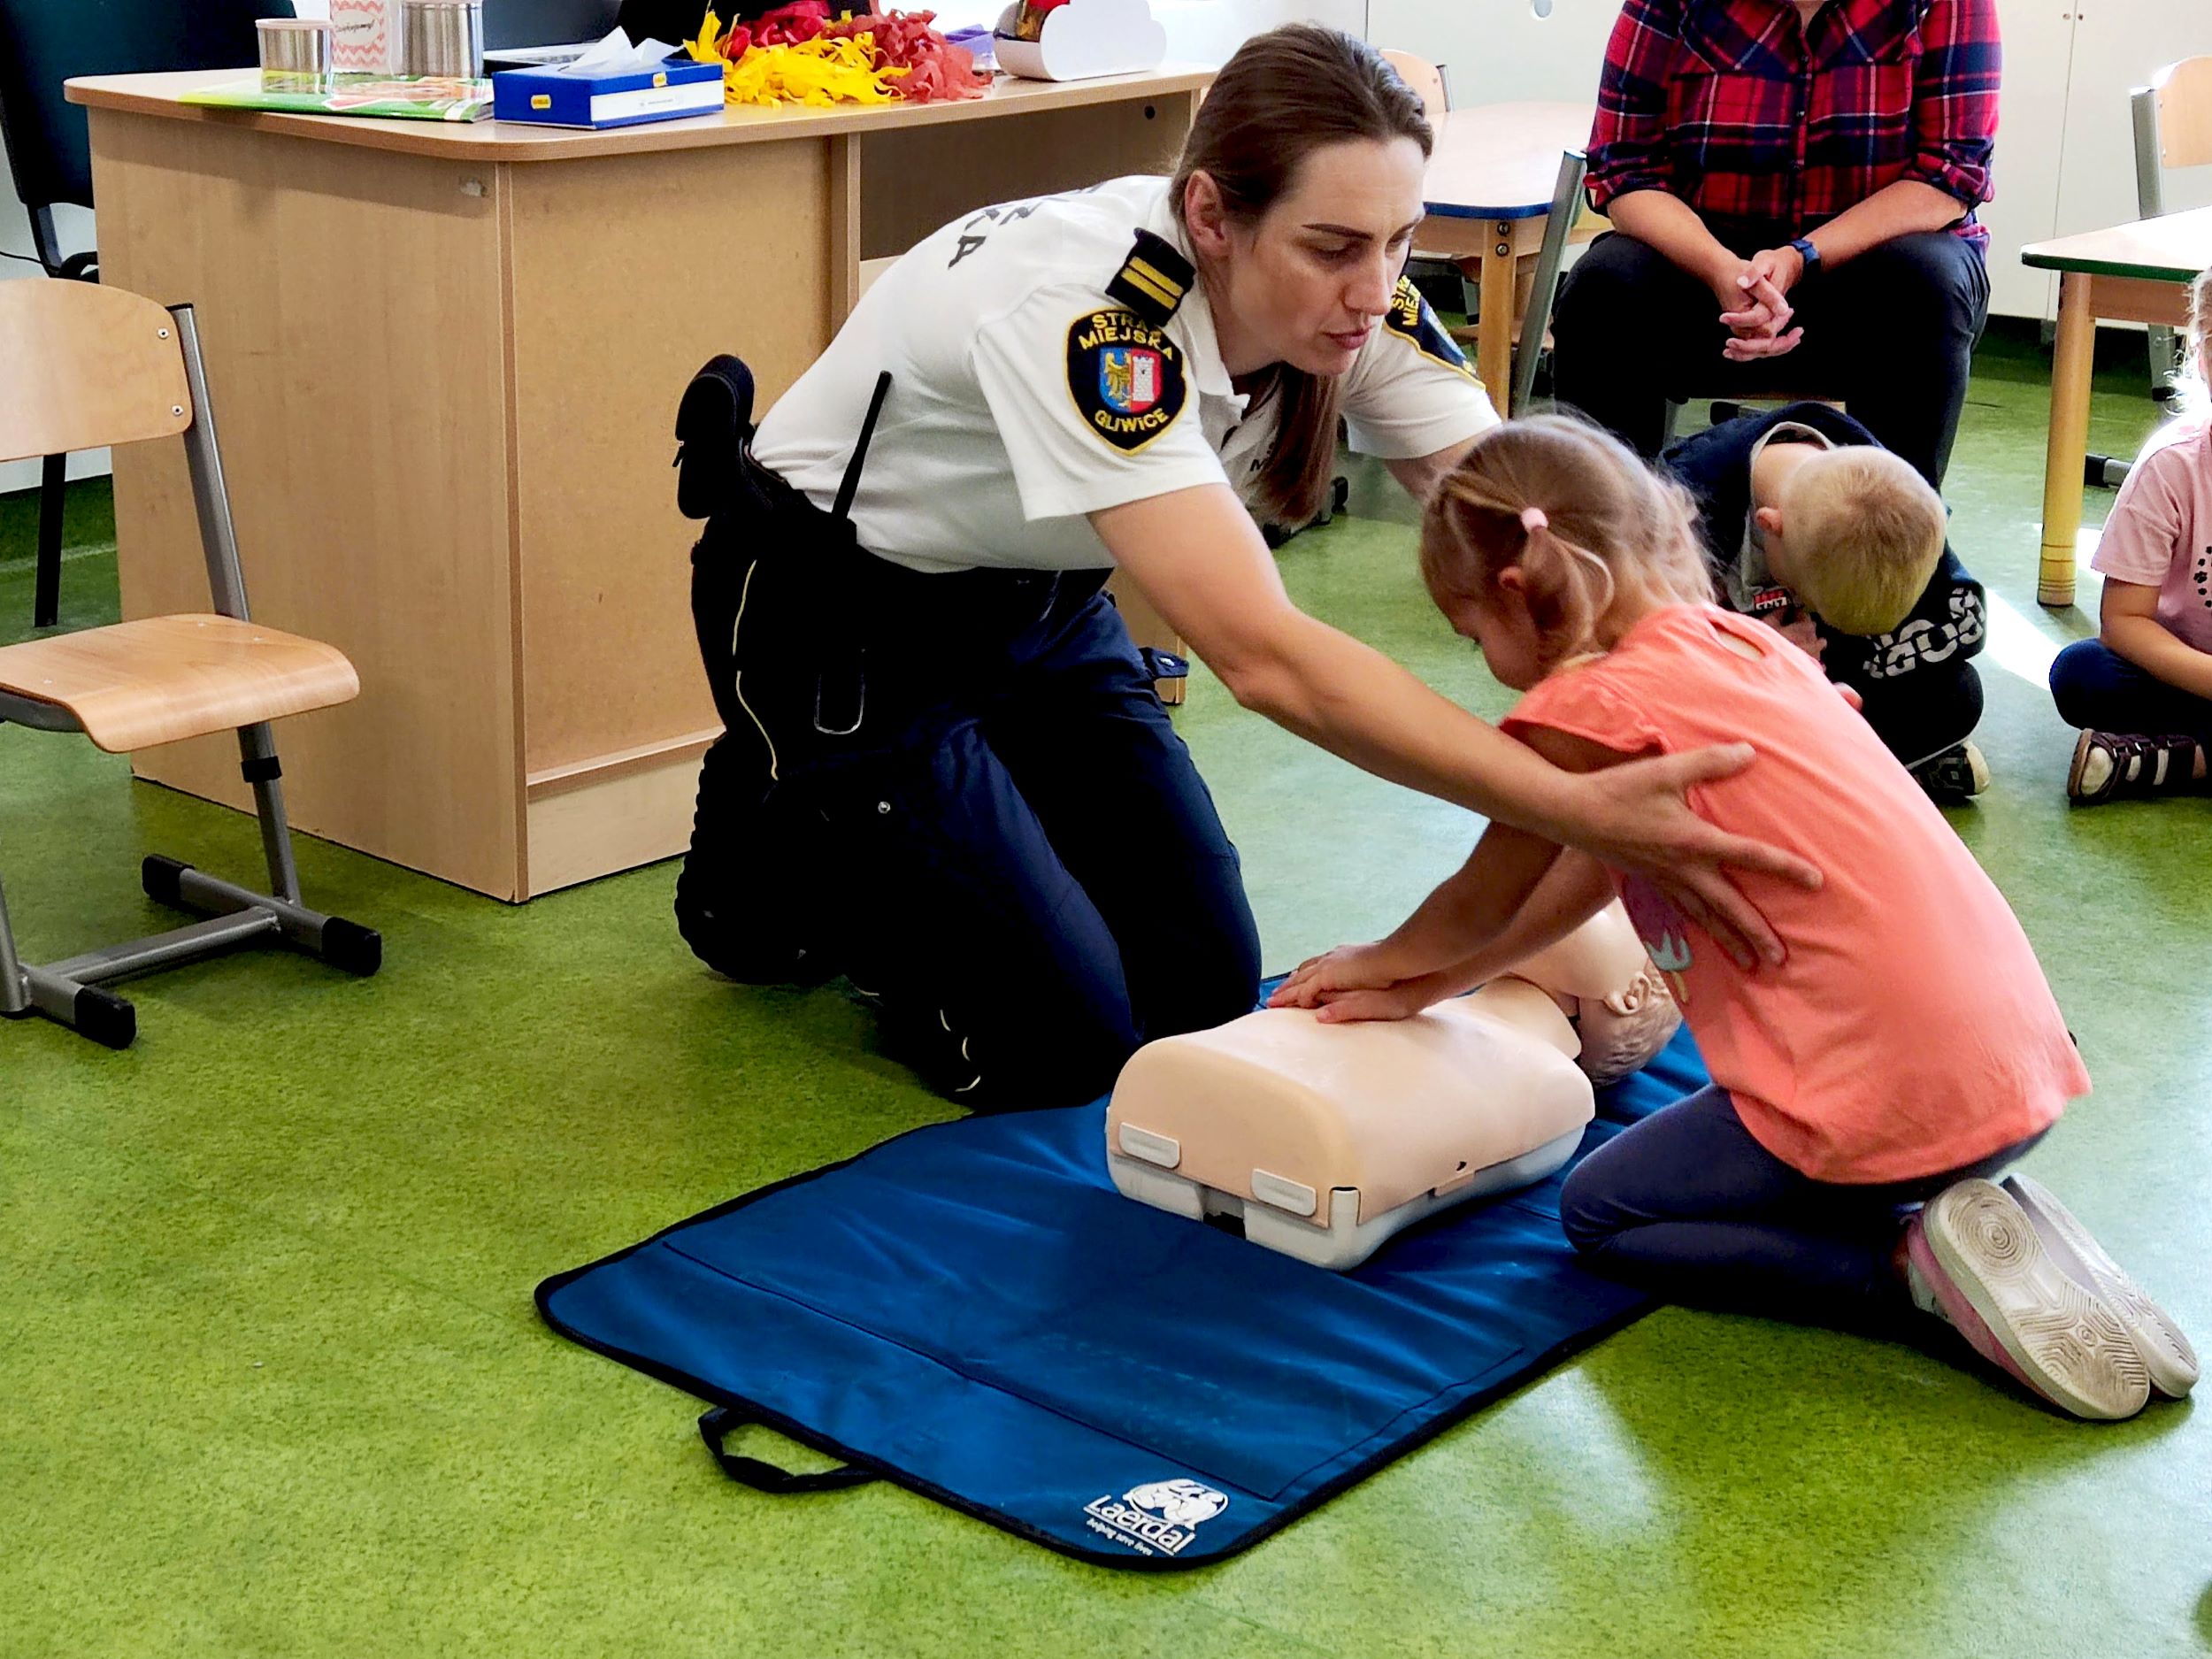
2167	1356
1981	1257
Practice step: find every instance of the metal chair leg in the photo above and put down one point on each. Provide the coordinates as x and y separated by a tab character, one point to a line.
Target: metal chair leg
1566	207
100	1015
52	487
344	945
15	995
2150	190
72	992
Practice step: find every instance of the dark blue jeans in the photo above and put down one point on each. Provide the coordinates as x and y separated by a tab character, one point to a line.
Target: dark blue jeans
1688	1206
2098	688
1892	333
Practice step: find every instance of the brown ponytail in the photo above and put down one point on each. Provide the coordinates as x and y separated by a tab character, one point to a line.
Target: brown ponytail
1285	94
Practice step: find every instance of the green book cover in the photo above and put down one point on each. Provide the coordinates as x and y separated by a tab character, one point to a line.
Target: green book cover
399	97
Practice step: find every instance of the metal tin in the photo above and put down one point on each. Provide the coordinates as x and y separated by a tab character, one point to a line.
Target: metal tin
442	37
296	54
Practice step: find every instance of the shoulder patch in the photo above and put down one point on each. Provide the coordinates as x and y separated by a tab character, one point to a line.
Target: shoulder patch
1126	376
1410	318
1153	280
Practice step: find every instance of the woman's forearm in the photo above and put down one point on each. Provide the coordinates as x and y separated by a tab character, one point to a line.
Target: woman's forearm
1351	700
2147	644
1196	557
1672	226
1901	209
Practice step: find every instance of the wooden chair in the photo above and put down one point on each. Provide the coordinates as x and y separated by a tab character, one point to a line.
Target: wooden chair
42	45
1427	82
90	367
1425	79
1535	276
2173	129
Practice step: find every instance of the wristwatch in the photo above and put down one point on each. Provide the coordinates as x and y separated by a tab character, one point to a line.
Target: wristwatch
1809	254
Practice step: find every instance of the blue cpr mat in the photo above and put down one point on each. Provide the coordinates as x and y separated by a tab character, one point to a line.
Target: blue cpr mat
972	1312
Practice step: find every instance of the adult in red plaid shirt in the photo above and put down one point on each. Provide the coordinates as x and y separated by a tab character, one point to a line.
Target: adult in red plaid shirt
1792	185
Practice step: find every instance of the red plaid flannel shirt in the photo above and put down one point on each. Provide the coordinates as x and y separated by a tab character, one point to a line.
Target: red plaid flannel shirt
1758	123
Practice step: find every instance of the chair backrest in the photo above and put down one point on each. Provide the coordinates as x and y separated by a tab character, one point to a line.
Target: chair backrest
86	366
44	42
2184	91
1425	79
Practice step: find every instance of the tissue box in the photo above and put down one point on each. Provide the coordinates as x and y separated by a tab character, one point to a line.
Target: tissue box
677	89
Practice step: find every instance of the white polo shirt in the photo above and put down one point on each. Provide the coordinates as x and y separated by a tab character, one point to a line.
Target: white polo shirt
1024	396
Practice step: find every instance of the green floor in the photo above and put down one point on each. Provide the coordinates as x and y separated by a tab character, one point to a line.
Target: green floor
273	1384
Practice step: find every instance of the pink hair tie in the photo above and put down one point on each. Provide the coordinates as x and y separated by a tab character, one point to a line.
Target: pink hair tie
1533	520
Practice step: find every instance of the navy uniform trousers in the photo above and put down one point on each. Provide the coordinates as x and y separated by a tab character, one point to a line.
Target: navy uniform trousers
962	791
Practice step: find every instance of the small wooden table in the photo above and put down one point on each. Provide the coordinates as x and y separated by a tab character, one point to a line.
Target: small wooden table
444	363
2137	274
1488	192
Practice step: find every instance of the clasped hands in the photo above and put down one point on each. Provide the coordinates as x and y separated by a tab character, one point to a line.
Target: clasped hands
1754	295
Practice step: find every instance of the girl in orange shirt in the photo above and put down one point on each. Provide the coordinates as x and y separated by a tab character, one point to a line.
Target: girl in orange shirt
1865	1091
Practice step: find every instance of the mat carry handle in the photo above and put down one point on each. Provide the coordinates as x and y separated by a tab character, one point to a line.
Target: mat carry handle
716	1426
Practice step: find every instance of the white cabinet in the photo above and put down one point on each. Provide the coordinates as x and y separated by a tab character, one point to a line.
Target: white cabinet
2066	147
2065	152
2117	45
1496	51
2038	36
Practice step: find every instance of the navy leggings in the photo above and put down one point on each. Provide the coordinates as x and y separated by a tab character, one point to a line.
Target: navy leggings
2098	688
1688	1206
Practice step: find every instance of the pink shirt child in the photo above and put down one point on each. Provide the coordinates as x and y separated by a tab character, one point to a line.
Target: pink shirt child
2159	533
1911	1031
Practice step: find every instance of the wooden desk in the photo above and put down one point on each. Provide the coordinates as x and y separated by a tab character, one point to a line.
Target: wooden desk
1488	192
2136	273
445	362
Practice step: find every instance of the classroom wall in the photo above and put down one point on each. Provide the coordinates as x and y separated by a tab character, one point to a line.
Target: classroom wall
2064	151
2065	148
1199	31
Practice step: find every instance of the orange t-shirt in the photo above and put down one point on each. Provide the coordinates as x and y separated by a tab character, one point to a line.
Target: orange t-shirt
1910	1031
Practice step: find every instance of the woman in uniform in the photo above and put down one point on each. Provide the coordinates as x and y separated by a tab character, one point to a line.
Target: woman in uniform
946	773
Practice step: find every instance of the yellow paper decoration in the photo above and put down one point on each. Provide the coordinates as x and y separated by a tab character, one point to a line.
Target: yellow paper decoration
820	71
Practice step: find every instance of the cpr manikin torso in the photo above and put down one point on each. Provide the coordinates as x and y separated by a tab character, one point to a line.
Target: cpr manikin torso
1327	1139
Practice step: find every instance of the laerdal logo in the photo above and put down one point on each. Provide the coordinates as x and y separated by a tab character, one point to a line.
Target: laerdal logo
1160	1519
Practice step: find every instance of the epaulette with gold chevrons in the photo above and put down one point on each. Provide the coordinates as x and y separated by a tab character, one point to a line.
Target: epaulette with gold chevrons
1153	280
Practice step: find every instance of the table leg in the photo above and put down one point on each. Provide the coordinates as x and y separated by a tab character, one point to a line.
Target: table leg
2071	362
1493	349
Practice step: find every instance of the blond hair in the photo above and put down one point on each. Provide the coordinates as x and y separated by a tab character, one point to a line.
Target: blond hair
2200	339
1611	528
1864	532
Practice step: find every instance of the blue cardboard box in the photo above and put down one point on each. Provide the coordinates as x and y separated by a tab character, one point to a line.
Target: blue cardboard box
677	89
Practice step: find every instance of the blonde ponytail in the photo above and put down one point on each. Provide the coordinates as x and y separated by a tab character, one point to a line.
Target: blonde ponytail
1582	517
